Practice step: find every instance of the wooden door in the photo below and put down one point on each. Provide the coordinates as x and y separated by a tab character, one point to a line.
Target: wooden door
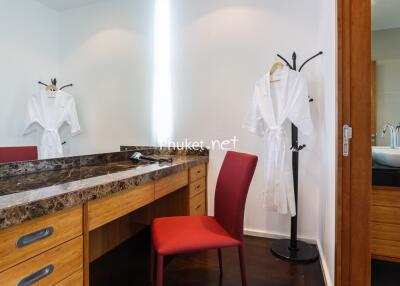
354	184
373	103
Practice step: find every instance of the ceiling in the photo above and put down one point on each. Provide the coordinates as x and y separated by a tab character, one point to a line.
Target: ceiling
62	5
385	14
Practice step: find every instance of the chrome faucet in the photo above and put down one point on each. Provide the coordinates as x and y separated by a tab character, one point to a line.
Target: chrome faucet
394	131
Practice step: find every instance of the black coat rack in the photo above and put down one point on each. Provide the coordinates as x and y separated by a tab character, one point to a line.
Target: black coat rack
292	249
54	83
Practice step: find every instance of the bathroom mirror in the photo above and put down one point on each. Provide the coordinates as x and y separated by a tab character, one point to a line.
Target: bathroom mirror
385	69
103	47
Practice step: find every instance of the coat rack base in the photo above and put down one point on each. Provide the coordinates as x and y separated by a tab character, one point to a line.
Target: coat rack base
304	253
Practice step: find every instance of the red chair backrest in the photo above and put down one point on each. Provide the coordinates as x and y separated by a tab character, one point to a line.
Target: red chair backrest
231	191
14	154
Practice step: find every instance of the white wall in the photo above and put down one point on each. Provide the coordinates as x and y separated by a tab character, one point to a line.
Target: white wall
386	53
327	145
220	49
106	51
29	37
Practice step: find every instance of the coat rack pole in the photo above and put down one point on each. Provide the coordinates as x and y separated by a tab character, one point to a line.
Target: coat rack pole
295	167
291	249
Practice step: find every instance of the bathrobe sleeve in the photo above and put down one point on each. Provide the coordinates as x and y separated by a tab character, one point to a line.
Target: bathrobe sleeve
253	121
300	111
32	118
72	118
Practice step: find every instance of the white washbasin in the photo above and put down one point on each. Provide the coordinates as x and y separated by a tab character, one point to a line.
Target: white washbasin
386	156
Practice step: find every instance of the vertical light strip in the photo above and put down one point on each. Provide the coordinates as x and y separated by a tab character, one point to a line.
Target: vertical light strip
162	98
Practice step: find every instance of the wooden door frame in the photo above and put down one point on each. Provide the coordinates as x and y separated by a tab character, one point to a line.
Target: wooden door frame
354	182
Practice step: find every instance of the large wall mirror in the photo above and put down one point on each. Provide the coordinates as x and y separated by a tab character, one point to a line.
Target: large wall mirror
385	124
385	70
103	47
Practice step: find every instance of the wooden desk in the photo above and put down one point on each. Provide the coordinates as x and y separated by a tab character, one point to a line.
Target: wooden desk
58	248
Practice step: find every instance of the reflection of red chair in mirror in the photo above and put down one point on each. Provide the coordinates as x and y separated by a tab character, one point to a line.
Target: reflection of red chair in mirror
14	154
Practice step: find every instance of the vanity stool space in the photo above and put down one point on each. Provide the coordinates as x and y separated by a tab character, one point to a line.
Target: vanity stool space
56	249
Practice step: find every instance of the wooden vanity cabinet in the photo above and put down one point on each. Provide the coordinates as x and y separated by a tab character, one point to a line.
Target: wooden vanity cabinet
197	187
170	184
197	191
47	268
75	279
385	223
197	172
47	249
110	208
56	249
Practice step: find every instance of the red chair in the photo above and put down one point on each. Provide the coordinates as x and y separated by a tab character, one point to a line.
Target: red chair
14	154
175	235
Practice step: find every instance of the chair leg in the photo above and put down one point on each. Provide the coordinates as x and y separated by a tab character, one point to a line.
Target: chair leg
152	255
160	269
242	265
220	261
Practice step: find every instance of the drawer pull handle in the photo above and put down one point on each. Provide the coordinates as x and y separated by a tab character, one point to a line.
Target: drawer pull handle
38	275
34	236
198	206
198	171
197	187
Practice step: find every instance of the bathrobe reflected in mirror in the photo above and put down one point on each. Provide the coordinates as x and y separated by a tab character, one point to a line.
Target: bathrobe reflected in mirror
50	110
278	98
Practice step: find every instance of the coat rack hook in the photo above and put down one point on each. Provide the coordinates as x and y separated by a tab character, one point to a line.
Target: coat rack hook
313	57
54	82
42	83
286	62
294	59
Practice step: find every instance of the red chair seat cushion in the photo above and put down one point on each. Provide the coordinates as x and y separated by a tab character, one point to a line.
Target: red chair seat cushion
174	235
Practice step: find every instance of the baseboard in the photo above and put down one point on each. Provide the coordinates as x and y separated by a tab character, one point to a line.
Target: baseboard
277	235
324	266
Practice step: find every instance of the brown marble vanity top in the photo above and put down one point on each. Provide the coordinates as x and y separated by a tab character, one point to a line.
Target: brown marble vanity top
30	195
16	184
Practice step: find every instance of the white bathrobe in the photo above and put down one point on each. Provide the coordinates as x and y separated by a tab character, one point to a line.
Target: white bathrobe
272	104
50	110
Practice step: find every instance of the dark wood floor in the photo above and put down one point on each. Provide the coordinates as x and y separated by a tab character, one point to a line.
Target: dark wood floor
128	264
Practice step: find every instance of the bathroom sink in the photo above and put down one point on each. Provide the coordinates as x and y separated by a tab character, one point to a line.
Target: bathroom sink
386	156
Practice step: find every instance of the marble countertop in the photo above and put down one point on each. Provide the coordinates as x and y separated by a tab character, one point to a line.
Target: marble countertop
32	195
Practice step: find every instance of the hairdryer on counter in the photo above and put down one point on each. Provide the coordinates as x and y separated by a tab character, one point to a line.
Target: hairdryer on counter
137	157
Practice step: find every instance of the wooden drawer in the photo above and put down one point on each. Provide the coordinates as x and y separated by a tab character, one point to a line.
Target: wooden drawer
385	214
386	248
170	184
385	231
197	172
386	197
198	204
75	279
197	187
38	235
107	209
60	263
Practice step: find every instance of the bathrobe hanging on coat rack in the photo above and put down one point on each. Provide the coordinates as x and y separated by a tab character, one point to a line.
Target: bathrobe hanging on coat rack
278	97
50	110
